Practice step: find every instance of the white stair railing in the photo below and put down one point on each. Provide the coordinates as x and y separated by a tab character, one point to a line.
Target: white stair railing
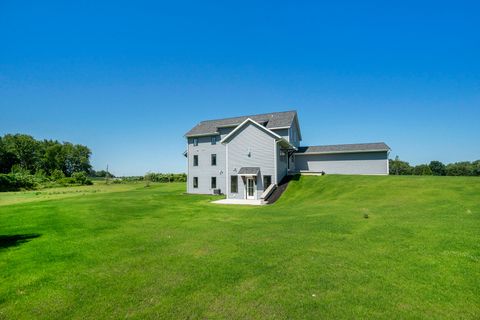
268	191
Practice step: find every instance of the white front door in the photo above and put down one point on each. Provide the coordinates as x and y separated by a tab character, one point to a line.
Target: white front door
250	188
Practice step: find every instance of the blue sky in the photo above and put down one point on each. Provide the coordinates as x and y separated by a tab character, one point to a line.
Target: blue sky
128	79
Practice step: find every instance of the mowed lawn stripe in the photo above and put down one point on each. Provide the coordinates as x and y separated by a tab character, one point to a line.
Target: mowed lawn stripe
158	253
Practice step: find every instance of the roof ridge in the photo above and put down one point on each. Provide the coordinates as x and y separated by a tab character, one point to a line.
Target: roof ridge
270	120
248	116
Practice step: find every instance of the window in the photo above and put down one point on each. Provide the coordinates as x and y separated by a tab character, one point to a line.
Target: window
195	160
214	159
195	182
214	183
233	184
267	180
214	140
195	142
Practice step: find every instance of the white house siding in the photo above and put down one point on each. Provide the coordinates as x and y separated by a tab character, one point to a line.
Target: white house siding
205	171
283	133
294	135
368	163
281	165
260	145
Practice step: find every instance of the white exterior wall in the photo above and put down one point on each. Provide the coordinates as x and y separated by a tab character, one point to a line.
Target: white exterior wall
368	163
281	165
260	145
204	171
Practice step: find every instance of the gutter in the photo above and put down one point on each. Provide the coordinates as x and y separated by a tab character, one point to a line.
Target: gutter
337	152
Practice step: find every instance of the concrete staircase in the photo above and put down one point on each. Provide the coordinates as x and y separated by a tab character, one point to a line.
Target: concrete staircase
277	192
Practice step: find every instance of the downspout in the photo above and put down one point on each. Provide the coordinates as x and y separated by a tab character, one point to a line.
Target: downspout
275	154
227	187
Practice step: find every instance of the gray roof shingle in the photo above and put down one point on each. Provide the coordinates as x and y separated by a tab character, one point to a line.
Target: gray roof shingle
339	148
271	120
248	171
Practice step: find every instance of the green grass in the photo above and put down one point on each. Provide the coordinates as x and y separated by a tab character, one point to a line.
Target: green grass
135	252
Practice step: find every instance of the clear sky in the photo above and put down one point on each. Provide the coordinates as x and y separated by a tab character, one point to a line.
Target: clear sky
129	78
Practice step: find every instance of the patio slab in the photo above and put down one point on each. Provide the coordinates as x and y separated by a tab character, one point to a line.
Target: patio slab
240	202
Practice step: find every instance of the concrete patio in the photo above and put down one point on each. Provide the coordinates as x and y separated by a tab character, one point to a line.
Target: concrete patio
240	202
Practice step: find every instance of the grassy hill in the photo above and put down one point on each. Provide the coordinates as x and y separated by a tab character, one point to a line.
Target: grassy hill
133	252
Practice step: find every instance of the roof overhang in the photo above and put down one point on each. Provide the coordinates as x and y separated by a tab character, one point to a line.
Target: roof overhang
263	128
339	152
249	171
244	123
202	135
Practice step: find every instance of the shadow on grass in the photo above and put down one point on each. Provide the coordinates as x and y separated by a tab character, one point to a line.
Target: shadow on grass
16	239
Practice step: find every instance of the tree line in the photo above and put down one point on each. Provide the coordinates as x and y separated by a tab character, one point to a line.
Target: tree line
26	163
23	152
435	168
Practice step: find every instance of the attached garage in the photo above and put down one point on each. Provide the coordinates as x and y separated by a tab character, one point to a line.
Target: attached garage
365	158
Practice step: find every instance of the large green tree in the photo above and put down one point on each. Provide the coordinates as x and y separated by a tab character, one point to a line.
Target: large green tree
438	168
24	152
399	167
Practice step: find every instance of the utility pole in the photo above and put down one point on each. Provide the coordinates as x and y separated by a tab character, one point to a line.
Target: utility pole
107	176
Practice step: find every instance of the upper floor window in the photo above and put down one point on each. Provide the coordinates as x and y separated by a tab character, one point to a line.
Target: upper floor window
214	159
214	140
195	142
195	160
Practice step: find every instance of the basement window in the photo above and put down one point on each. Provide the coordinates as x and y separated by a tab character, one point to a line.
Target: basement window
214	183
234	184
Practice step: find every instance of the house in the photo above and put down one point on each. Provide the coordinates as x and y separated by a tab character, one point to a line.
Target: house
246	157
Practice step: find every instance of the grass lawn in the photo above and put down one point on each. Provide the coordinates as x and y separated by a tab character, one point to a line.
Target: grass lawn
126	251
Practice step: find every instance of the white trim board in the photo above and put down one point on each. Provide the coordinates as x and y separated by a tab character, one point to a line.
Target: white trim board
248	120
337	152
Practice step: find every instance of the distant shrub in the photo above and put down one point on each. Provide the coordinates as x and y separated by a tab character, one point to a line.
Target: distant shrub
80	177
57	175
67	180
100	174
15	182
465	168
165	177
422	170
41	176
476	168
460	169
398	167
438	168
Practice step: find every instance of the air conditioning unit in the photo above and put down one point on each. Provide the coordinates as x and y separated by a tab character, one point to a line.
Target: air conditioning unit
217	191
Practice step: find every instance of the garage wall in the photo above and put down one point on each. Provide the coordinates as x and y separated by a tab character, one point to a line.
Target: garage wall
344	163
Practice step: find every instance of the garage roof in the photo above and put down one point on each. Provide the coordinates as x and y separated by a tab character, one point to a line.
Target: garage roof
344	148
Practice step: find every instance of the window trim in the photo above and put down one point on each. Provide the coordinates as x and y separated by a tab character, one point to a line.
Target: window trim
195	182
234	190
